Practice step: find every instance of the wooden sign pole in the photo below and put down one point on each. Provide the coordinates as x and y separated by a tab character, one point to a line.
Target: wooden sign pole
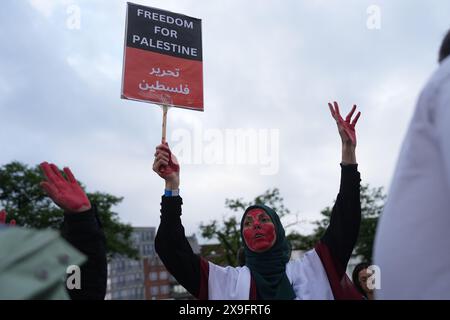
164	124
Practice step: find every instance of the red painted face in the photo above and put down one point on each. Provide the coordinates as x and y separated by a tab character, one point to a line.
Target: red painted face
259	230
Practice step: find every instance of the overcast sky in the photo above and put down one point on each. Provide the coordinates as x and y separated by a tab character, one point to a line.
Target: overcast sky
269	66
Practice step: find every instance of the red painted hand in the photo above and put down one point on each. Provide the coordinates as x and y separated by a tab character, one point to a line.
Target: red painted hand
346	127
66	193
166	164
3	215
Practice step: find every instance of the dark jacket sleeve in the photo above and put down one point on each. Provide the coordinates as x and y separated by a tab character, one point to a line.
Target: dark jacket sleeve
342	233
173	248
84	232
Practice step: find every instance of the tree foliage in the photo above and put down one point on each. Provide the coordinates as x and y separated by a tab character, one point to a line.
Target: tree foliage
25	201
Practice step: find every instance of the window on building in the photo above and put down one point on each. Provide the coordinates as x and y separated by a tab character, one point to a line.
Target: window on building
153	276
164	289
154	291
163	275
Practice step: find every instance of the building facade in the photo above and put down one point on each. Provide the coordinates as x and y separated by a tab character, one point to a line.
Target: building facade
126	276
145	278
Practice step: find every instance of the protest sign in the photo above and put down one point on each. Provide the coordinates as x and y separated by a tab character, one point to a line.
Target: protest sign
163	58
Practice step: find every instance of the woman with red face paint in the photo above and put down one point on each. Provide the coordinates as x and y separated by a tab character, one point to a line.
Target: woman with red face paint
268	272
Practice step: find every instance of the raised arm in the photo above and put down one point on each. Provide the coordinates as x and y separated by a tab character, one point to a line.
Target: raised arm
342	233
81	228
170	242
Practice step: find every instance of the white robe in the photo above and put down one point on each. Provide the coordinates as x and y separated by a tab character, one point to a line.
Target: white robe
413	237
307	276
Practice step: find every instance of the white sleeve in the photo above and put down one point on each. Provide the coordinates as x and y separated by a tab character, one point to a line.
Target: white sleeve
228	283
442	117
309	278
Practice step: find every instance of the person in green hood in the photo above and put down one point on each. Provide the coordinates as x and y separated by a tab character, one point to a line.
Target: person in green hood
267	271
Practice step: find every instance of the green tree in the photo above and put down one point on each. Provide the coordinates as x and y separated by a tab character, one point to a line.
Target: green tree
25	201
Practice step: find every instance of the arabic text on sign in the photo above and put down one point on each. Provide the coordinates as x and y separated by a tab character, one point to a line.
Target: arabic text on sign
161	87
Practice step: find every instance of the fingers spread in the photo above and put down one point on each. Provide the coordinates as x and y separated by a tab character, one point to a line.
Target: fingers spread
50	189
48	172
69	175
57	172
330	106
350	114
336	109
356	119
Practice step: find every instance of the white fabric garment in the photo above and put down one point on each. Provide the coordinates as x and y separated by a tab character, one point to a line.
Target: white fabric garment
412	246
307	276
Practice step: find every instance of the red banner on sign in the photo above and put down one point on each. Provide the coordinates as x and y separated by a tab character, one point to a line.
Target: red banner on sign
163	79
